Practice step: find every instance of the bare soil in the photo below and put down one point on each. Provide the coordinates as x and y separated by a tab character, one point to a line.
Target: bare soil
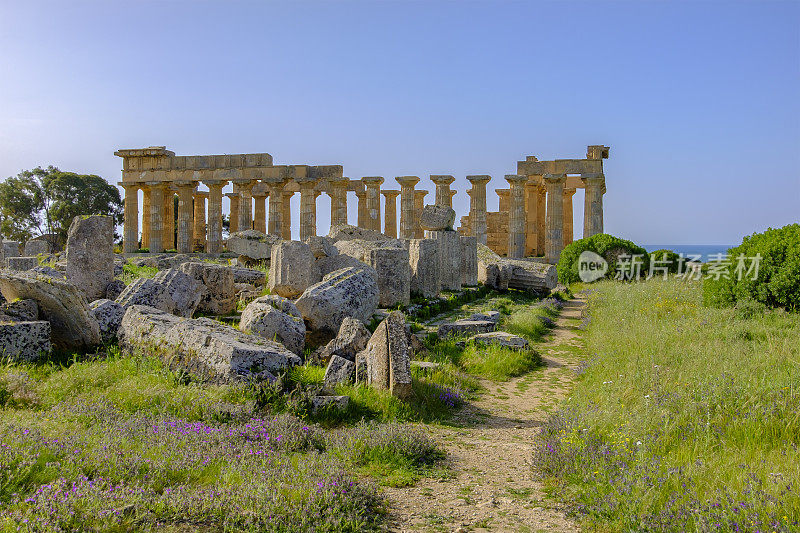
490	483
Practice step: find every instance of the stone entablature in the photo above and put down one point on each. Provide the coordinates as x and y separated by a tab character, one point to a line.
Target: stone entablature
534	215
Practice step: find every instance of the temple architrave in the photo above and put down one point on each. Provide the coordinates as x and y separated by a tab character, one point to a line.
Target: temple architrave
534	216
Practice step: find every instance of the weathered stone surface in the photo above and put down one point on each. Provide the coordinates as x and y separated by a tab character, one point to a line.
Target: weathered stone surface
292	269
500	338
362	367
114	289
252	244
339	370
321	246
332	263
109	316
185	291
387	354
449	258
465	327
90	254
249	275
492	271
437	218
21	263
49	271
60	303
202	346
338	403
275	318
493	316
220	295
532	276
425	267
349	292
351	339
25	341
469	261
345	232
360	249
24	310
145	291
11	249
36	247
394	275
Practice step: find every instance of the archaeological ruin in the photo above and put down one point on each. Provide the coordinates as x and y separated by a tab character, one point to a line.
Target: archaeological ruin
534	217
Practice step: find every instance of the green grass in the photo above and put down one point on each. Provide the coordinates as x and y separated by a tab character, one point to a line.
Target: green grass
131	273
528	323
499	363
684	417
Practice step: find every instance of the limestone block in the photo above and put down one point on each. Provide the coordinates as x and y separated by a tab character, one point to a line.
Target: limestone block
321	246
203	347
465	327
329	264
49	271
25	341
249	275
339	370
11	249
24	310
394	275
60	303
469	261
220	294
360	248
90	254
499	338
449	258
351	339
275	318
114	289
252	244
494	316
22	264
423	256
345	232
145	291
36	247
292	269
437	218
349	292
109	316
185	291
387	355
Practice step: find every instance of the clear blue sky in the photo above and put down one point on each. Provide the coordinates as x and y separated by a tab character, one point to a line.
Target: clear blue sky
699	101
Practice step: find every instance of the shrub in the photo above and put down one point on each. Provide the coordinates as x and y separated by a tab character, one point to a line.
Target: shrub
608	246
667	258
777	283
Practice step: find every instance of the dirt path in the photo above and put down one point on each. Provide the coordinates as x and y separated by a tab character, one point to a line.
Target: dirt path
492	487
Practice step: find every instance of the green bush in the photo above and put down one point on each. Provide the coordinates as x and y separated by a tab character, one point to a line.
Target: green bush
778	281
666	258
608	246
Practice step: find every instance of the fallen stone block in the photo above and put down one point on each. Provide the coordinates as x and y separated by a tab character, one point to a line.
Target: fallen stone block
145	291
185	291
465	327
22	264
249	275
90	254
424	263
35	247
252	244
292	269
220	294
499	338
109	316
11	249
387	357
275	318
394	275
493	316
351	339
24	341
449	258
24	310
321	246
339	370
345	232
349	292
437	218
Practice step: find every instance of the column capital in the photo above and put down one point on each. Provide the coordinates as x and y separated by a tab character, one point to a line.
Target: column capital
232	195
593	178
554	178
569	192
390	193
442	179
479	179
515	179
407	181
212	184
372	180
200	194
420	193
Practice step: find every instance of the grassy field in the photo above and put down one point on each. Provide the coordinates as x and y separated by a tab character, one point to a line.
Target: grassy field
683	417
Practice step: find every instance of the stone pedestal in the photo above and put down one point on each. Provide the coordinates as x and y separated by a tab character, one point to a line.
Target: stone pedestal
407	219
185	222
419	203
593	204
554	238
390	219
199	242
372	186
477	206
568	234
449	244
214	234
425	267
516	215
131	227
444	196
233	225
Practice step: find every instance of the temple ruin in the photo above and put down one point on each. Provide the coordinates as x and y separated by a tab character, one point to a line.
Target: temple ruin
534	216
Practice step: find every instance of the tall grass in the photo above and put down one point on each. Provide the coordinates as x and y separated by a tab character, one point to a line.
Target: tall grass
683	417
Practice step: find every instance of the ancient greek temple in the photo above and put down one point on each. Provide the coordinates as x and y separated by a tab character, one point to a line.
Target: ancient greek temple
534	216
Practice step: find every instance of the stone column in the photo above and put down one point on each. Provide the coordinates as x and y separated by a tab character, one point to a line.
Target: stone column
593	204
554	238
146	216
286	230
199	242
185	222
214	245
419	203
156	217
260	213
443	193
233	227
477	206
275	223
308	208
361	219
531	216
516	215
390	220
131	222
169	218
246	205
338	194
407	215
568	235
541	211
372	186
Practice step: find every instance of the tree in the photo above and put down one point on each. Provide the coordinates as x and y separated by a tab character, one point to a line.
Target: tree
44	201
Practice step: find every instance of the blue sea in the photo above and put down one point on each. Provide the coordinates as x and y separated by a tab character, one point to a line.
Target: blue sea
705	251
